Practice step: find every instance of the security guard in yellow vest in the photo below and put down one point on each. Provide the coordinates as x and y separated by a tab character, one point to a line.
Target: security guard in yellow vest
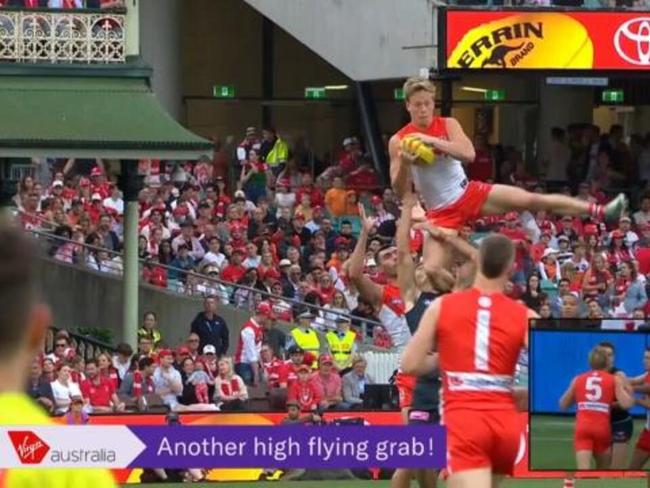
305	337
342	343
277	157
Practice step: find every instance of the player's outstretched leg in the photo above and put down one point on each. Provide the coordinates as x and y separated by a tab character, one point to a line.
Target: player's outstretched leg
504	198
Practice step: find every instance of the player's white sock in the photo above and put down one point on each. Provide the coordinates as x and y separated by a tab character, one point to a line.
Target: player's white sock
569	483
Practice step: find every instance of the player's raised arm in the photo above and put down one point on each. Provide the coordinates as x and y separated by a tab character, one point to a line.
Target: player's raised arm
368	289
418	357
569	396
623	396
458	243
405	265
400	167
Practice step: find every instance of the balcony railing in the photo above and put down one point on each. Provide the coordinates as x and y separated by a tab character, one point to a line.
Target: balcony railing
62	37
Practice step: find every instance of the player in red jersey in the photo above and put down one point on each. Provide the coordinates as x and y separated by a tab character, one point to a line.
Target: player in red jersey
641	384
478	334
385	299
451	199
594	392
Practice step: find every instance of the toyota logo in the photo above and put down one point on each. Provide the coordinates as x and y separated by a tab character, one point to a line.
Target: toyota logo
632	41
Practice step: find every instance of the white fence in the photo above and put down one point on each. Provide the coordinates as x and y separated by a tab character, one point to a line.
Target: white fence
381	365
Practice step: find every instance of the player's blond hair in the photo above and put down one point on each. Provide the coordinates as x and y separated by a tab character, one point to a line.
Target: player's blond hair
416	84
598	358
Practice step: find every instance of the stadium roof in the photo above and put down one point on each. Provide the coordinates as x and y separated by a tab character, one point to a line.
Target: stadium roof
90	117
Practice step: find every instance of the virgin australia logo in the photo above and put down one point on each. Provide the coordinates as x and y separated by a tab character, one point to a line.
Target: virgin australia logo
632	41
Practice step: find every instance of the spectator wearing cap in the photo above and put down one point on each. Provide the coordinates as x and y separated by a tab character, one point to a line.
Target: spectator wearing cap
314	224
549	268
273	335
304	336
304	391
211	328
208	285
234	271
342	344
187	237
100	394
567	228
251	141
76	414
167	380
354	383
328	385
247	356
179	267
618	251
564	252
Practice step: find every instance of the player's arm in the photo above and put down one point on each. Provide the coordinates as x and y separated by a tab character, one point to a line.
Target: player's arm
623	396
418	357
447	237
458	146
569	396
405	265
644	402
368	289
400	167
531	315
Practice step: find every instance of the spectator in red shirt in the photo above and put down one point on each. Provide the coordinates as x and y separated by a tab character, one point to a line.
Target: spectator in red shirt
106	370
307	185
304	391
99	393
234	271
363	178
273	368
328	385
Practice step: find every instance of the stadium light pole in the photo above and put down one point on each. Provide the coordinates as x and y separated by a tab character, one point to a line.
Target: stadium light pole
130	183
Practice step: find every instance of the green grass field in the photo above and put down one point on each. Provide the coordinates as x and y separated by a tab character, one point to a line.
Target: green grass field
551	442
386	484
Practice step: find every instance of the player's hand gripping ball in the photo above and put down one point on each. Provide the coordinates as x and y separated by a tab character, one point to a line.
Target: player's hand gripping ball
414	146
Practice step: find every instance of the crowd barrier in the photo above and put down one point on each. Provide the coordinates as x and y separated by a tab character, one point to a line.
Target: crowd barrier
370	418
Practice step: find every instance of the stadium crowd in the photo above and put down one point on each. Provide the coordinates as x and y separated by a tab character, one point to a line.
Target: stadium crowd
280	243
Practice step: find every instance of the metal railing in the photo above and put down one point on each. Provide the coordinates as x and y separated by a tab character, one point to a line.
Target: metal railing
240	296
86	347
68	36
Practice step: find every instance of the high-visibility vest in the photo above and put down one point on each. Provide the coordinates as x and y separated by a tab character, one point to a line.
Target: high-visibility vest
278	154
341	349
307	340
